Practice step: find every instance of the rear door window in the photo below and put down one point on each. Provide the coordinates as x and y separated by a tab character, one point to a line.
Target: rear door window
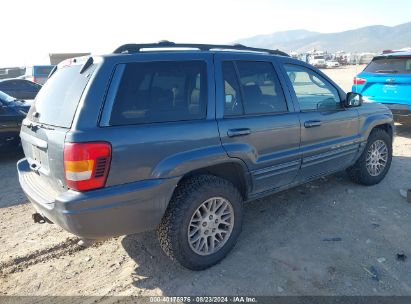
57	101
399	65
262	92
151	92
255	90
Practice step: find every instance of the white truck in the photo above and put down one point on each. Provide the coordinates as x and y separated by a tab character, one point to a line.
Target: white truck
318	61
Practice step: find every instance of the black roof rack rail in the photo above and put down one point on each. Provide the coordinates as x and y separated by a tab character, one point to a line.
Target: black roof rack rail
135	48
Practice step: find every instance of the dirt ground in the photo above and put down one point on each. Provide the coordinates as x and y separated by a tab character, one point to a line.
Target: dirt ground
344	75
328	237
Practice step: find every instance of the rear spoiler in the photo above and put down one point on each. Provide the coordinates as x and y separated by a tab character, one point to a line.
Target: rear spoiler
87	63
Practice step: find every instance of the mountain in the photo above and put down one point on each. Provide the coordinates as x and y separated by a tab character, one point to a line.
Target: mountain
276	38
366	39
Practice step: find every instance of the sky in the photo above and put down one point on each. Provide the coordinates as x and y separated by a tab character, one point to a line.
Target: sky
33	29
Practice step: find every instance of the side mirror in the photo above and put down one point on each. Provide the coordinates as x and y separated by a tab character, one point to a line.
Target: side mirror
229	98
352	100
2	108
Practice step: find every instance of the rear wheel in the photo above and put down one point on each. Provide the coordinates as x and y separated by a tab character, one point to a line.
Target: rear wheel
375	161
202	222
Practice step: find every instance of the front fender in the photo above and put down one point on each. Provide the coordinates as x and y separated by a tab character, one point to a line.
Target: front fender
370	121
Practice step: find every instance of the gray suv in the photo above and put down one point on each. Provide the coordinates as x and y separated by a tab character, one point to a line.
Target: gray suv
176	137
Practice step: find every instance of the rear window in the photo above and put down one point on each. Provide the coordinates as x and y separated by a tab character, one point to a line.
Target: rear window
400	65
151	92
57	101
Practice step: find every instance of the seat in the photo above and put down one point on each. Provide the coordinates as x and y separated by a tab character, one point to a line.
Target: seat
161	100
194	105
254	100
253	93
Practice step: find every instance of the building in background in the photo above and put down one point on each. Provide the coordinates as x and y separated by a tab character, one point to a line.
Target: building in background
56	58
11	72
29	72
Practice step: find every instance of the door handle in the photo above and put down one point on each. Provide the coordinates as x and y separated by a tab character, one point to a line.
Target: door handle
238	132
312	123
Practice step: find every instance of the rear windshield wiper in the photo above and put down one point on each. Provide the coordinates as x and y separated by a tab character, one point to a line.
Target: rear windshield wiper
386	71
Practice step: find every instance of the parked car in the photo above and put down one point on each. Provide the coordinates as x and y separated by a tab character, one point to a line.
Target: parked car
365	58
387	80
318	61
176	140
12	113
20	88
38	73
332	64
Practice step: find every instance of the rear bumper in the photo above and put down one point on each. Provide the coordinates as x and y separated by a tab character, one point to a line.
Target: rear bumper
102	213
401	112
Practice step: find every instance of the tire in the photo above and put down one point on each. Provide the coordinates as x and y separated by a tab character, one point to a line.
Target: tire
359	173
173	231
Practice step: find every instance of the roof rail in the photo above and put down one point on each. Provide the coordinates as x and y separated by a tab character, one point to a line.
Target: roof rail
136	48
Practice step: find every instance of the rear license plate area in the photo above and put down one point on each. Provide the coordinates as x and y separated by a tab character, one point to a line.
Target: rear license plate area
39	155
390	88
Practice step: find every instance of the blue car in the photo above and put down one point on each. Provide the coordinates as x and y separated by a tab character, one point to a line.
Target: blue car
387	80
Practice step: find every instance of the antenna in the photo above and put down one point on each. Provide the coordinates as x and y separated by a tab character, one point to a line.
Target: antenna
356	82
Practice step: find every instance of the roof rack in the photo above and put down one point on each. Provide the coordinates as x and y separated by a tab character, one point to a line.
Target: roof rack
136	48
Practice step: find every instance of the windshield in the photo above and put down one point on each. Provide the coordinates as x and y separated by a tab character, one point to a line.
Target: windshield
57	101
393	65
6	98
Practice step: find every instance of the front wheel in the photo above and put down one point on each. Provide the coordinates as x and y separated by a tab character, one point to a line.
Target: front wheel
202	222
375	161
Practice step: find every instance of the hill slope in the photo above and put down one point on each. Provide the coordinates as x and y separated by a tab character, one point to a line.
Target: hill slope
367	39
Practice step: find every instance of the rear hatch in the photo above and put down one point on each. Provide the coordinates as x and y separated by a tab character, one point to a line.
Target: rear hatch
49	119
388	79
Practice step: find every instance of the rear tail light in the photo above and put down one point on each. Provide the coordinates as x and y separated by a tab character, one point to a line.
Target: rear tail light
358	80
86	165
34	79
